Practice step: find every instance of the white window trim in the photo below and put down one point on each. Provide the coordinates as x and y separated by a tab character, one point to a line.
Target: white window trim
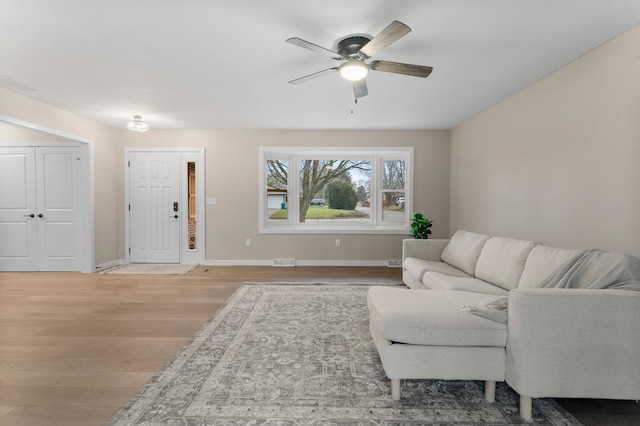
294	154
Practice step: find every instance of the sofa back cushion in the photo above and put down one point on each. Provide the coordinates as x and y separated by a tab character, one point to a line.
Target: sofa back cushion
463	250
542	262
502	261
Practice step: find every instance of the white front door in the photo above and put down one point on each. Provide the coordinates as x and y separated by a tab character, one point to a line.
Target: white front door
154	207
39	227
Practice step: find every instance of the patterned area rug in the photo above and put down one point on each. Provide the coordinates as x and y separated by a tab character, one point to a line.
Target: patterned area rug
302	355
151	268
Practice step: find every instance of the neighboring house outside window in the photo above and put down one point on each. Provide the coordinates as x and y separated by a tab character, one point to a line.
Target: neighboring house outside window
276	198
335	190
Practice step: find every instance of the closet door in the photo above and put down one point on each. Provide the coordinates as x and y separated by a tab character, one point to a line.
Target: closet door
58	209
18	224
39	228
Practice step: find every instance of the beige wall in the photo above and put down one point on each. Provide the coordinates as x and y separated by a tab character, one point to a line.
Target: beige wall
558	163
12	133
232	168
232	177
107	162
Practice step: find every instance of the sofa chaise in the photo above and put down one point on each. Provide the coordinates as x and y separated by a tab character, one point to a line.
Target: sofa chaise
553	340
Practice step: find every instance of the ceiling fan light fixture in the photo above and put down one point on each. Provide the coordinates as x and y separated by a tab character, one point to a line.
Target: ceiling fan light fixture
137	125
353	70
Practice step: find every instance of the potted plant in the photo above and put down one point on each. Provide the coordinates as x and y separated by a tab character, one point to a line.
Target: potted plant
420	226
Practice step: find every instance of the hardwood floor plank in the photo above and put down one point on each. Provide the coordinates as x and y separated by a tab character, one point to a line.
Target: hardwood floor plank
4	410
75	379
56	416
150	362
23	351
19	330
45	396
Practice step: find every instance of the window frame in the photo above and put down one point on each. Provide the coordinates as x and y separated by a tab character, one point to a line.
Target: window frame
293	156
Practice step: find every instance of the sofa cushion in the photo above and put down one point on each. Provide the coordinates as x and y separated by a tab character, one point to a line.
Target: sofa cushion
431	318
463	250
502	261
437	281
542	262
417	267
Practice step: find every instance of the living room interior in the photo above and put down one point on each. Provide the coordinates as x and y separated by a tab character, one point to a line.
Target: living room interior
534	136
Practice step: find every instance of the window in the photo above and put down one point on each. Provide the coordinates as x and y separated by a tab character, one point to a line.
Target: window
191	204
335	190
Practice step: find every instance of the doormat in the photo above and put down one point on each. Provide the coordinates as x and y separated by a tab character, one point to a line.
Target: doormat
151	269
303	355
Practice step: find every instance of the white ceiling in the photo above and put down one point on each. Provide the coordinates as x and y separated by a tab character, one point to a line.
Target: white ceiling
222	64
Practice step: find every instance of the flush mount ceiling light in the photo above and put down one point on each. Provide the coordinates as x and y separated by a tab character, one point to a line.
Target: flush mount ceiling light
137	125
353	70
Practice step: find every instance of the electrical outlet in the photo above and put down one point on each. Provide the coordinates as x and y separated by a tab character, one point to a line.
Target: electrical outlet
337	242
394	263
248	242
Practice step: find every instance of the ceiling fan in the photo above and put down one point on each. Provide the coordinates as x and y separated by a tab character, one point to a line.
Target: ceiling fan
353	51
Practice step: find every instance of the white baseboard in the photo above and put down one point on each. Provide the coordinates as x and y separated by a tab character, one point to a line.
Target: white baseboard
239	262
264	262
269	262
341	263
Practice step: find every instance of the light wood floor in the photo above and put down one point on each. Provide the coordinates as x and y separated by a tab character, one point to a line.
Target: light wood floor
74	348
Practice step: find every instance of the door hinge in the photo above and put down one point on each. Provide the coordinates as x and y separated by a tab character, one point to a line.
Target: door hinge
129	207
129	250
128	163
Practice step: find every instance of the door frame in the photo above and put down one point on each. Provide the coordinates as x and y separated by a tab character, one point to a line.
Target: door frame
86	174
196	155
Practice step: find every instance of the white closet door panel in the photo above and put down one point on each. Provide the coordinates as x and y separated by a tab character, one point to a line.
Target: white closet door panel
57	199
18	224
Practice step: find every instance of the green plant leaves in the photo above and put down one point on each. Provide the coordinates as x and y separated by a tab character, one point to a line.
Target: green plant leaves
420	226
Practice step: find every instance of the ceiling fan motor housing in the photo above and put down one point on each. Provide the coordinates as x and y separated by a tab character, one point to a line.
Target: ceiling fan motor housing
350	46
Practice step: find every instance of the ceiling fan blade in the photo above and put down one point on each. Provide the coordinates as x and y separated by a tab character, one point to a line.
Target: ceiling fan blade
360	88
392	33
314	75
313	47
399	68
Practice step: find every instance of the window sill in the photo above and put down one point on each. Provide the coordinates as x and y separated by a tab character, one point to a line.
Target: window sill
364	230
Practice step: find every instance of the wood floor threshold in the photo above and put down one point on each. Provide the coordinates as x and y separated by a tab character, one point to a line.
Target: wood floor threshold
74	348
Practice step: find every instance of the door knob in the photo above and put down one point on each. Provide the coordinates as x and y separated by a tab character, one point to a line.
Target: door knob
174	216
40	215
30	215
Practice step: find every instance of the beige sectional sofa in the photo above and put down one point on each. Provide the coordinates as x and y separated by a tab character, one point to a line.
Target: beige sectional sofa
550	342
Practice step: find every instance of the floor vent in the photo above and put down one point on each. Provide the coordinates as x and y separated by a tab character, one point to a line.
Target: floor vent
284	262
